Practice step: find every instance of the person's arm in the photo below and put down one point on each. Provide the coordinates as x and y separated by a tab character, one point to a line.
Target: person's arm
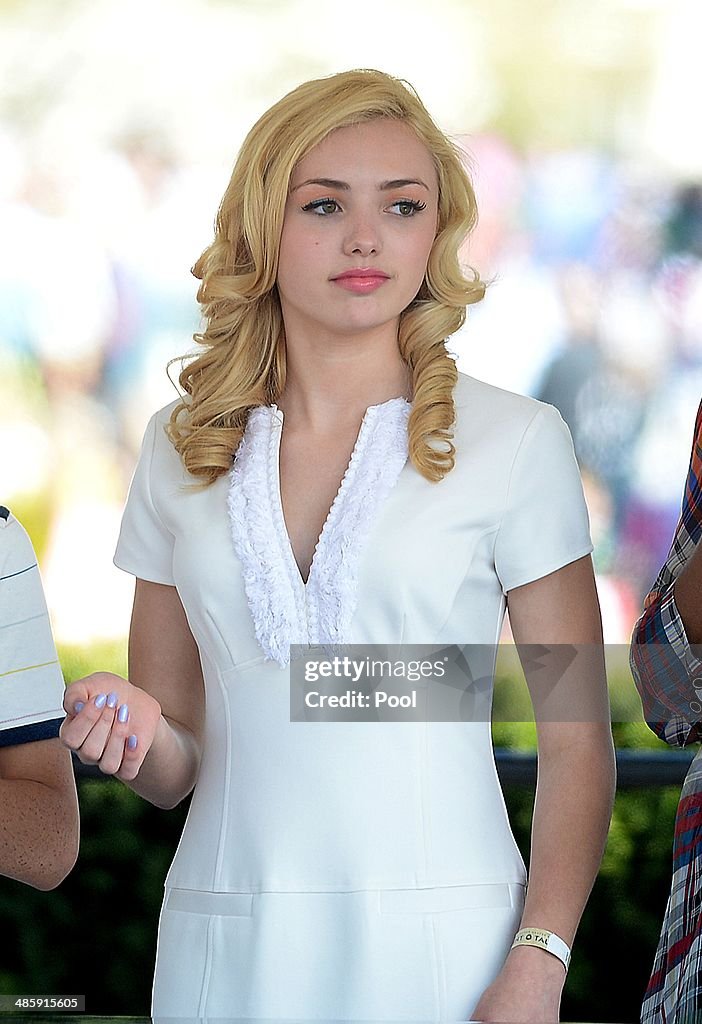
39	825
165	702
575	787
664	667
688	596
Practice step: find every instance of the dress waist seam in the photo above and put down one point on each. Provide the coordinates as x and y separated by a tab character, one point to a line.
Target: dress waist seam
331	890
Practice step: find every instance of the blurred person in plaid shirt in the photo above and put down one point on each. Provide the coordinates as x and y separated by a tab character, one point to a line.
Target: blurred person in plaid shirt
667	667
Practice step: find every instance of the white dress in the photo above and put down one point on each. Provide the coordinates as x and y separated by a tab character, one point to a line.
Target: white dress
347	870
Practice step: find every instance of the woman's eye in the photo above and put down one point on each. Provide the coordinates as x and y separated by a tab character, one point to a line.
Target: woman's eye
408	207
322	207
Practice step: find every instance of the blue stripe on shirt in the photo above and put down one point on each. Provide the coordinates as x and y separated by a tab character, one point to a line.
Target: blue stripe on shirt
30	733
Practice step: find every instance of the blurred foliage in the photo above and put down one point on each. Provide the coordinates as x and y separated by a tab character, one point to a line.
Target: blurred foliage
107	656
587	68
34	513
96	934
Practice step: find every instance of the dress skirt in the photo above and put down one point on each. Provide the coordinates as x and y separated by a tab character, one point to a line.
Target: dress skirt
384	954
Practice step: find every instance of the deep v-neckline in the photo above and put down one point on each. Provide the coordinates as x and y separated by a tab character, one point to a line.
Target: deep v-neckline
335	509
285	608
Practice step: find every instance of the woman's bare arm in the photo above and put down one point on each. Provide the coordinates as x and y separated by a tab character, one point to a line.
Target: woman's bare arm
576	779
164	660
576	774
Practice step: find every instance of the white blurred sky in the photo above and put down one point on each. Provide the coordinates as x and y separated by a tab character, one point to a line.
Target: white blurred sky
74	72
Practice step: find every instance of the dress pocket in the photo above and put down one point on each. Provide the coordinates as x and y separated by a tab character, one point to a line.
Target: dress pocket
221	904
444	898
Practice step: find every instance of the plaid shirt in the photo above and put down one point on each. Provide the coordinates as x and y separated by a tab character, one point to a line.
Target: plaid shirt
668	675
674	992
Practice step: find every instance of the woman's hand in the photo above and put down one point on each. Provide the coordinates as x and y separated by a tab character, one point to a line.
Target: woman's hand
110	723
527	990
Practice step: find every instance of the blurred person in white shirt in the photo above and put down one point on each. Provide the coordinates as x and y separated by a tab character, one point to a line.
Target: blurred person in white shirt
39	823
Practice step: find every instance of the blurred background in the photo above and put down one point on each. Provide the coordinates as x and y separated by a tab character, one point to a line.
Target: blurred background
119	123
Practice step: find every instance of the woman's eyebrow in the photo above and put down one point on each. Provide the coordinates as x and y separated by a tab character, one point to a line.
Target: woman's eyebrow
401	182
384	186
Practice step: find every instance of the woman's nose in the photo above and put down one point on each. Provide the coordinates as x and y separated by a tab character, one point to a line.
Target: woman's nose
362	238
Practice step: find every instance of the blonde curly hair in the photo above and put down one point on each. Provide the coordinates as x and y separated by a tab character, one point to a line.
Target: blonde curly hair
243	364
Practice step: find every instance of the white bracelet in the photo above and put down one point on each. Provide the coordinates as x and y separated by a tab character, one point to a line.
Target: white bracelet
543	939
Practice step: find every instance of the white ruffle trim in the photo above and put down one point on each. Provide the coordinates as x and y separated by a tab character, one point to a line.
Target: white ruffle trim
284	609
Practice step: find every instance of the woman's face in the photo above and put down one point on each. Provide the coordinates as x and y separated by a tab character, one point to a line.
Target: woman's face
365	199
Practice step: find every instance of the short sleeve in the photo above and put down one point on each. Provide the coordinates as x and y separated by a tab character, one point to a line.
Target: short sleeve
31	681
545	524
145	544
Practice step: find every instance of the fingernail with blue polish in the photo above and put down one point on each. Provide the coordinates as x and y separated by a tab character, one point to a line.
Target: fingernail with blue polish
123	713
132	742
112	700
78	706
100	700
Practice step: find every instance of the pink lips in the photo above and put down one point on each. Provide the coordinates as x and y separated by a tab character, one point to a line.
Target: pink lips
362	280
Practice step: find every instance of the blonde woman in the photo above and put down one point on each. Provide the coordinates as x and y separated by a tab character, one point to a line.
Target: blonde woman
350	487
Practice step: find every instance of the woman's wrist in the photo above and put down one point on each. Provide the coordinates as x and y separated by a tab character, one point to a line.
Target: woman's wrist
544	939
166	775
529	960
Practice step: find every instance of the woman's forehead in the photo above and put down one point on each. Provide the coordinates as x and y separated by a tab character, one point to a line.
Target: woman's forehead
384	149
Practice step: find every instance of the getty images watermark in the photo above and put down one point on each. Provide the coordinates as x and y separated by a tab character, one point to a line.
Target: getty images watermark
498	683
458	683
